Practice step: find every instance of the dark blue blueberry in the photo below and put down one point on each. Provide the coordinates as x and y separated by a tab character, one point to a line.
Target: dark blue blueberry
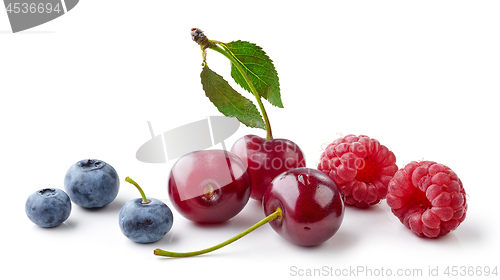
91	183
48	207
145	223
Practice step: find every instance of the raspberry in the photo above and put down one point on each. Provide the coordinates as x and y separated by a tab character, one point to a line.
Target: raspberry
361	167
428	198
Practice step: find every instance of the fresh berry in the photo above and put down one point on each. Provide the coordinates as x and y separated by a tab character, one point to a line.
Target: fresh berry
428	198
302	205
91	183
361	167
144	220
209	186
267	159
313	208
48	207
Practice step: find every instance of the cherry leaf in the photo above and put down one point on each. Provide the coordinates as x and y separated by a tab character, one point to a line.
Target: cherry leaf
260	70
228	101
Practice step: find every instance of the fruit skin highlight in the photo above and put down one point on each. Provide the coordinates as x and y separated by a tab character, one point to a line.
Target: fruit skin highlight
48	207
428	198
91	183
266	159
361	167
313	208
209	186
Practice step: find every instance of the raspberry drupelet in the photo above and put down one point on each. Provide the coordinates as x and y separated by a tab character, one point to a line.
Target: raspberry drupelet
428	198
361	167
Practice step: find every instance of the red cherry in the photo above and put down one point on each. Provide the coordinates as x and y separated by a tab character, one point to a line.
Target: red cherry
209	186
303	205
266	159
312	206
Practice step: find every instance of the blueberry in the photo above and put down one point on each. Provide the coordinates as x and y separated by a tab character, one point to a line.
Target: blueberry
48	207
145	223
145	220
91	183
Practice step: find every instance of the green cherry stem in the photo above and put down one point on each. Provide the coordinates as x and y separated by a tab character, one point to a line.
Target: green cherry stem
278	214
144	199
234	60
199	37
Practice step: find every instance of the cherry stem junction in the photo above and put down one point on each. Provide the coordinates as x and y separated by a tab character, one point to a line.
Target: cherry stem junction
205	43
278	214
144	199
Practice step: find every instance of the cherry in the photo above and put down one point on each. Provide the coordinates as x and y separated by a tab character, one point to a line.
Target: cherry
311	203
266	159
209	186
303	205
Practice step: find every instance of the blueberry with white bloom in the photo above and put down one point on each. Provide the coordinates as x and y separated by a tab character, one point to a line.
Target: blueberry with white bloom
91	183
145	220
48	207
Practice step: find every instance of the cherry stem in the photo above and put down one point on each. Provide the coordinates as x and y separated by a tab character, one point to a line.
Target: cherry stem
234	60
144	199
278	214
205	43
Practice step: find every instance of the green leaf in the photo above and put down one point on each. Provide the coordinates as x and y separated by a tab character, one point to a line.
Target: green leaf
228	101
259	69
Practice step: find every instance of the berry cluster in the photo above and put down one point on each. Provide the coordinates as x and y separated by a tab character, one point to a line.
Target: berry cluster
92	183
427	197
89	183
303	205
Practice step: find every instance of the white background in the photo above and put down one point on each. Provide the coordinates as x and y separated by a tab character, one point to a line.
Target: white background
419	76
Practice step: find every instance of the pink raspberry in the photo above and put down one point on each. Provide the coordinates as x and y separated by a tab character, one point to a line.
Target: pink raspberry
428	198
361	167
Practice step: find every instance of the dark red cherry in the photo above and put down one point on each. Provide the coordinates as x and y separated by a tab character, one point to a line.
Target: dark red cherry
266	159
209	186
311	204
302	205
